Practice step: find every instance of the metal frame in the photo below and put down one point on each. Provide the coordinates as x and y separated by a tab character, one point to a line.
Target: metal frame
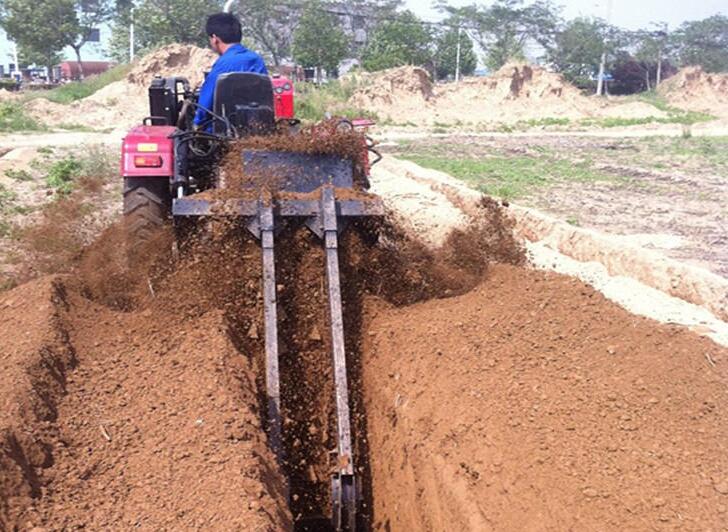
325	216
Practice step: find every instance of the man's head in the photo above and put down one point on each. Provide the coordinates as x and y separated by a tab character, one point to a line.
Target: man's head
223	29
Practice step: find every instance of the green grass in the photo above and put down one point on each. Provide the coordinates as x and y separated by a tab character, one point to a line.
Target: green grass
314	101
62	173
18	175
14	118
510	177
78	90
7	197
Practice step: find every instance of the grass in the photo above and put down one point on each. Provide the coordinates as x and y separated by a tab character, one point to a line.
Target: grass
78	90
18	175
14	118
510	177
313	102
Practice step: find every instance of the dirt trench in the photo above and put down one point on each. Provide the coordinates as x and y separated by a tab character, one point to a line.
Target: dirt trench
496	398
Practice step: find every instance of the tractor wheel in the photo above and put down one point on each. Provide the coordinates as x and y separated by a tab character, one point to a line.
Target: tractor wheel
147	203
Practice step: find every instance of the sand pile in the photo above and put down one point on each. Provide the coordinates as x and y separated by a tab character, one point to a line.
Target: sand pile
514	93
532	403
125	103
181	60
693	88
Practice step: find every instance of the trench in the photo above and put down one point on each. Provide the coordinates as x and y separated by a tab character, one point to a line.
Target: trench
217	282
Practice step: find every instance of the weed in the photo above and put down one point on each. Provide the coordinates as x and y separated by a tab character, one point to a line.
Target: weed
7	197
6	228
62	173
315	101
45	150
14	118
18	175
573	220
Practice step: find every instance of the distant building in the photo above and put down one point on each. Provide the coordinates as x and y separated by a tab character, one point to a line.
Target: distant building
69	70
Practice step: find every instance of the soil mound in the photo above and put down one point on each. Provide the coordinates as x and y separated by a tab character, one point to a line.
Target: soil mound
124	103
516	92
531	403
157	427
181	60
693	88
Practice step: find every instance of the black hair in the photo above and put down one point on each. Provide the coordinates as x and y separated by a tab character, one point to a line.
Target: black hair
225	26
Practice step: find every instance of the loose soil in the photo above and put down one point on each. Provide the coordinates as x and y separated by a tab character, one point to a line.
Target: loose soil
693	88
151	383
532	403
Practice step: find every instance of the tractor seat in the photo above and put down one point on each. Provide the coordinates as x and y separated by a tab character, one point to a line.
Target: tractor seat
246	100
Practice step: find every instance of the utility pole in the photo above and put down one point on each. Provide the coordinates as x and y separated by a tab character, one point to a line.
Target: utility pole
18	75
603	62
131	35
663	39
457	56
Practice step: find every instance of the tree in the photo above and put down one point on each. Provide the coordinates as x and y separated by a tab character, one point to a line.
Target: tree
270	26
504	28
704	42
159	22
318	41
446	53
402	40
37	28
577	49
651	49
89	15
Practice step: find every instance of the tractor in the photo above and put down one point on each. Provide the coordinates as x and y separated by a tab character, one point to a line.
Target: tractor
166	162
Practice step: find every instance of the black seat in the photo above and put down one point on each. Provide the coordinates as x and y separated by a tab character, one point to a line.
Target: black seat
246	100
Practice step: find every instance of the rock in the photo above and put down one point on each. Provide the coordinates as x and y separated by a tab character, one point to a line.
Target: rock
722	487
590	492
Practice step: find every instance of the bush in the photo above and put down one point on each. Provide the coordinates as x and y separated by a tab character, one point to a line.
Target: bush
14	118
62	173
314	101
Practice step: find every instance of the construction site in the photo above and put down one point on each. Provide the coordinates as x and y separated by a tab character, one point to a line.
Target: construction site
409	343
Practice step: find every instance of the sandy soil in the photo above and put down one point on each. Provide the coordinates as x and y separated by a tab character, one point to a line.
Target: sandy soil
516	92
112	420
532	403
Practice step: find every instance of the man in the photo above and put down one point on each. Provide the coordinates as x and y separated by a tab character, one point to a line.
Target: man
225	34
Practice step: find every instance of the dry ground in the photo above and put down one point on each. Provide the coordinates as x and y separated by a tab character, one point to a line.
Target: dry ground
666	193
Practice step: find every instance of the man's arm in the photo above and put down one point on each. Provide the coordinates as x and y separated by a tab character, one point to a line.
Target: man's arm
207	95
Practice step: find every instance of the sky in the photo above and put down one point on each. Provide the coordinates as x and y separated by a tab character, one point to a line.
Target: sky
628	14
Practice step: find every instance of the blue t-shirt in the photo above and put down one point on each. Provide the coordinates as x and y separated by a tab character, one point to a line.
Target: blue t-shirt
237	58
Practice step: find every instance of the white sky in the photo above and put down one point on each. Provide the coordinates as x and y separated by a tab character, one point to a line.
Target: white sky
629	14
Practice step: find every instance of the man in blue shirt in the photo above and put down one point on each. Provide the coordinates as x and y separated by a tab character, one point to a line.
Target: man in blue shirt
225	35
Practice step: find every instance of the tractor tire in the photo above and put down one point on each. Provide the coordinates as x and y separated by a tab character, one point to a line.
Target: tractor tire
147	202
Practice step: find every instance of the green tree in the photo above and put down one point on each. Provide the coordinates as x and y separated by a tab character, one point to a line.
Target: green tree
402	40
704	42
38	28
159	22
446	53
577	49
270	26
504	28
318	41
651	47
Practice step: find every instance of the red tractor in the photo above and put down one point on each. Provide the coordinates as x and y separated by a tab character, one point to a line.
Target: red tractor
166	161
